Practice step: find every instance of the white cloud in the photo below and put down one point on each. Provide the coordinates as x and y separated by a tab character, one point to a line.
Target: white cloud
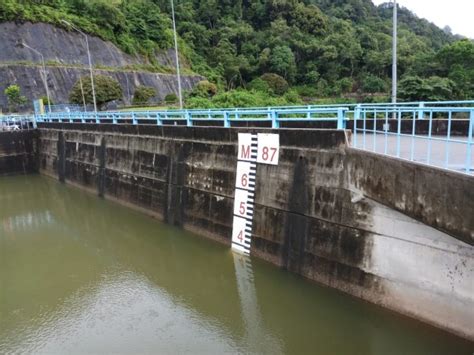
457	14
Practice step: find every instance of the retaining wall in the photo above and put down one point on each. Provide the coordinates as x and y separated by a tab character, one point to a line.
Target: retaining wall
320	213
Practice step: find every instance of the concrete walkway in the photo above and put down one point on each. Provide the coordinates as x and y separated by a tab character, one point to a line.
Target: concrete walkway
443	154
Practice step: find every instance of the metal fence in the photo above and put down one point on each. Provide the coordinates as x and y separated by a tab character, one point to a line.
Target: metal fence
227	117
16	123
435	133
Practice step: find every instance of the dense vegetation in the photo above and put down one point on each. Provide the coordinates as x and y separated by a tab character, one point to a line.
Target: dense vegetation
106	90
308	48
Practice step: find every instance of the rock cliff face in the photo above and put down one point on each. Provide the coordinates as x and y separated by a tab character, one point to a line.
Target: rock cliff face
67	50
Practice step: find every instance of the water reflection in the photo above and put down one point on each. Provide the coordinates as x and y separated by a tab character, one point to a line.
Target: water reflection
28	221
256	336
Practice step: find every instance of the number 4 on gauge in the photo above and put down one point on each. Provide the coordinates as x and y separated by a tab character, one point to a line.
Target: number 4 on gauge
238	230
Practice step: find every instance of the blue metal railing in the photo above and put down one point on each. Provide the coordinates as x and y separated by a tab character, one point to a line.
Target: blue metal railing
439	136
189	117
433	133
17	122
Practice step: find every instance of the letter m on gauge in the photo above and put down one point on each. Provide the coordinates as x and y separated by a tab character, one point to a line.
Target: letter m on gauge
247	147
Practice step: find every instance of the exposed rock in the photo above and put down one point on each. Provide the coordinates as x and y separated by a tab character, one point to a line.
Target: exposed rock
68	49
62	79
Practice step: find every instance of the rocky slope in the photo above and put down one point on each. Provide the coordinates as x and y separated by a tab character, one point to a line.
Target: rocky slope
67	56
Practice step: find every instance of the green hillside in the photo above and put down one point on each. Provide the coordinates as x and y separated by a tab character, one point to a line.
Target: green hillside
322	48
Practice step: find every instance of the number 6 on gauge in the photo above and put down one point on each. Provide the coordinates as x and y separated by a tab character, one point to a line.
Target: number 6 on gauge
242	180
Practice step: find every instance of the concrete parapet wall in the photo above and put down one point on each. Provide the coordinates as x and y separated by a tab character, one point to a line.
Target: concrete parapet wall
320	213
18	152
439	198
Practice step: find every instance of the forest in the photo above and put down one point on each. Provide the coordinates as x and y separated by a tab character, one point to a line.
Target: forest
263	52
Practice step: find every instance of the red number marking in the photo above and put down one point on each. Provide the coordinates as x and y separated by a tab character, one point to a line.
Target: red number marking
243	180
240	236
242	208
265	153
274	150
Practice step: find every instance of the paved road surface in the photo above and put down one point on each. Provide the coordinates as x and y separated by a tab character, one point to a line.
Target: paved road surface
417	149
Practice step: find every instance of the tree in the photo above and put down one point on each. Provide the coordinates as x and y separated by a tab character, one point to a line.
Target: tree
456	61
372	84
276	83
282	61
15	99
205	89
143	94
414	88
106	89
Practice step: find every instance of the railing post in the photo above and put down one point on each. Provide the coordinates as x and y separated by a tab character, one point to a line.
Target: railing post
114	119
421	113
34	121
275	122
226	119
134	118
83	120
159	122
189	121
97	119
341	122
469	142
356	118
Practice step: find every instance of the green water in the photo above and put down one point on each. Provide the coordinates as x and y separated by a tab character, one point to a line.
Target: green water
83	275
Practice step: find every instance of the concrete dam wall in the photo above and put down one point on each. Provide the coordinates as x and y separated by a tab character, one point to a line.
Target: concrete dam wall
327	212
18	152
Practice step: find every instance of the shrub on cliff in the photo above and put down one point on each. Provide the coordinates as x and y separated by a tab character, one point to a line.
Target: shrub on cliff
143	94
204	89
46	101
106	89
15	99
171	98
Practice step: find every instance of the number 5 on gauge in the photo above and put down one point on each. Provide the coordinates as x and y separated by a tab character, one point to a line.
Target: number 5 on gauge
240	203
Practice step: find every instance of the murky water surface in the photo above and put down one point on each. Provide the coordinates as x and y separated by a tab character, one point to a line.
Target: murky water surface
82	275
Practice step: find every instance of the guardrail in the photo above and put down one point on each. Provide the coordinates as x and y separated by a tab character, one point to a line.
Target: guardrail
17	123
190	117
437	134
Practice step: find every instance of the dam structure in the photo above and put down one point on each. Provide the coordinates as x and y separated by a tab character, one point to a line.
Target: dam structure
374	200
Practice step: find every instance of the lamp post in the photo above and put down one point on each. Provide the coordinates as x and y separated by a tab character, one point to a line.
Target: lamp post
177	56
44	77
90	61
394	53
82	93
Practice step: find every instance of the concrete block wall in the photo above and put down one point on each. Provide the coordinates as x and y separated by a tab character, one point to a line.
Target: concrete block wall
316	213
18	152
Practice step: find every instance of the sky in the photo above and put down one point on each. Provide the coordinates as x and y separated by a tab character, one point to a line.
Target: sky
457	14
